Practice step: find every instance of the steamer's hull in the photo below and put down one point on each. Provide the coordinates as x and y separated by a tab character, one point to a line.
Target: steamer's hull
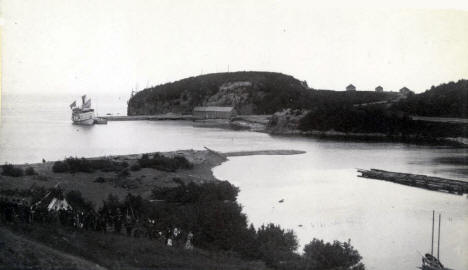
83	118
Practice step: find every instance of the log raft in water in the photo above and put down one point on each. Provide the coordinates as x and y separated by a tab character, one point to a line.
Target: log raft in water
418	180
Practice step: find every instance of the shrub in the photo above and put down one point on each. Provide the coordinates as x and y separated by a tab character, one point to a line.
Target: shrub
336	255
135	167
37	193
74	165
100	179
276	244
195	193
124	173
30	171
107	165
10	170
60	167
79	165
77	201
163	163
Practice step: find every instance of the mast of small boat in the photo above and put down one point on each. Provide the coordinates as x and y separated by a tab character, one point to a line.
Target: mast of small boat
432	239
83	100
438	242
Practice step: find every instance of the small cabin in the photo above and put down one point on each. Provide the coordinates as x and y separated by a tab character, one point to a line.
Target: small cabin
213	112
379	89
350	88
405	91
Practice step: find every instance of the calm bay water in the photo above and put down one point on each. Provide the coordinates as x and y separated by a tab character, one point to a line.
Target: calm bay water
323	197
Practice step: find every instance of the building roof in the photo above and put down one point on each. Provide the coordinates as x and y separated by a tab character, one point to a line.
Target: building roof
350	86
213	109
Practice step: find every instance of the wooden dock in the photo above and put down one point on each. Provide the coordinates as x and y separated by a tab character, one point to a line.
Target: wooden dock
418	180
157	117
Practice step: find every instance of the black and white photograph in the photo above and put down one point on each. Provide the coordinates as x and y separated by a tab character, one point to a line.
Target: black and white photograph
237	135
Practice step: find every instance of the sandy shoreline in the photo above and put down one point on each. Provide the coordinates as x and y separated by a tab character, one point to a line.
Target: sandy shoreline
140	182
263	152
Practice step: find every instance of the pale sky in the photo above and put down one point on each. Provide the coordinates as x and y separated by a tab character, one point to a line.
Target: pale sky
97	47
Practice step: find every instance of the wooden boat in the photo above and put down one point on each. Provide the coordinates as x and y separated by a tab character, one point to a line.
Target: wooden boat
429	261
100	121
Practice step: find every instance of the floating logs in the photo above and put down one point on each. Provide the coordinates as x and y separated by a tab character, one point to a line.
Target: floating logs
418	180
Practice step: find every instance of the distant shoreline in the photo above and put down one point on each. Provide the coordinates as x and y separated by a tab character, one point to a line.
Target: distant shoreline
377	137
258	123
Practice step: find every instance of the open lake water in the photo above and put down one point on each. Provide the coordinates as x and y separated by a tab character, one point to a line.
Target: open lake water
389	224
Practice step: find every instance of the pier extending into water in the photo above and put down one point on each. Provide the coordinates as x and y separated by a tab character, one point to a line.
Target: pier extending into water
155	117
418	180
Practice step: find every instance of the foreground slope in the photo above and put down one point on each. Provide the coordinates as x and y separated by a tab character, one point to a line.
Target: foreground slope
18	252
54	247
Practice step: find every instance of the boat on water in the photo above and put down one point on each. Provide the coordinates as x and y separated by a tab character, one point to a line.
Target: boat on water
83	115
429	261
100	121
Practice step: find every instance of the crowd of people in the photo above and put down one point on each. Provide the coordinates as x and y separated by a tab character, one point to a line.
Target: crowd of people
119	221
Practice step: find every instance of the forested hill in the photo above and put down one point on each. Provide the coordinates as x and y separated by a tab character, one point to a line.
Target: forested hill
250	92
446	100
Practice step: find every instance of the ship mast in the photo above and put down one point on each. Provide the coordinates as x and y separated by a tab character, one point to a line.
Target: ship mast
438	241
83	100
432	239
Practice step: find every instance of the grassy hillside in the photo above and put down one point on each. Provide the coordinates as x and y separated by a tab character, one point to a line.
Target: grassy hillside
376	120
446	100
266	92
19	252
55	247
249	92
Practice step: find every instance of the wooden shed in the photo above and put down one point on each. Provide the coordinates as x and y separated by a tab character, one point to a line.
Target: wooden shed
350	88
214	112
405	91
